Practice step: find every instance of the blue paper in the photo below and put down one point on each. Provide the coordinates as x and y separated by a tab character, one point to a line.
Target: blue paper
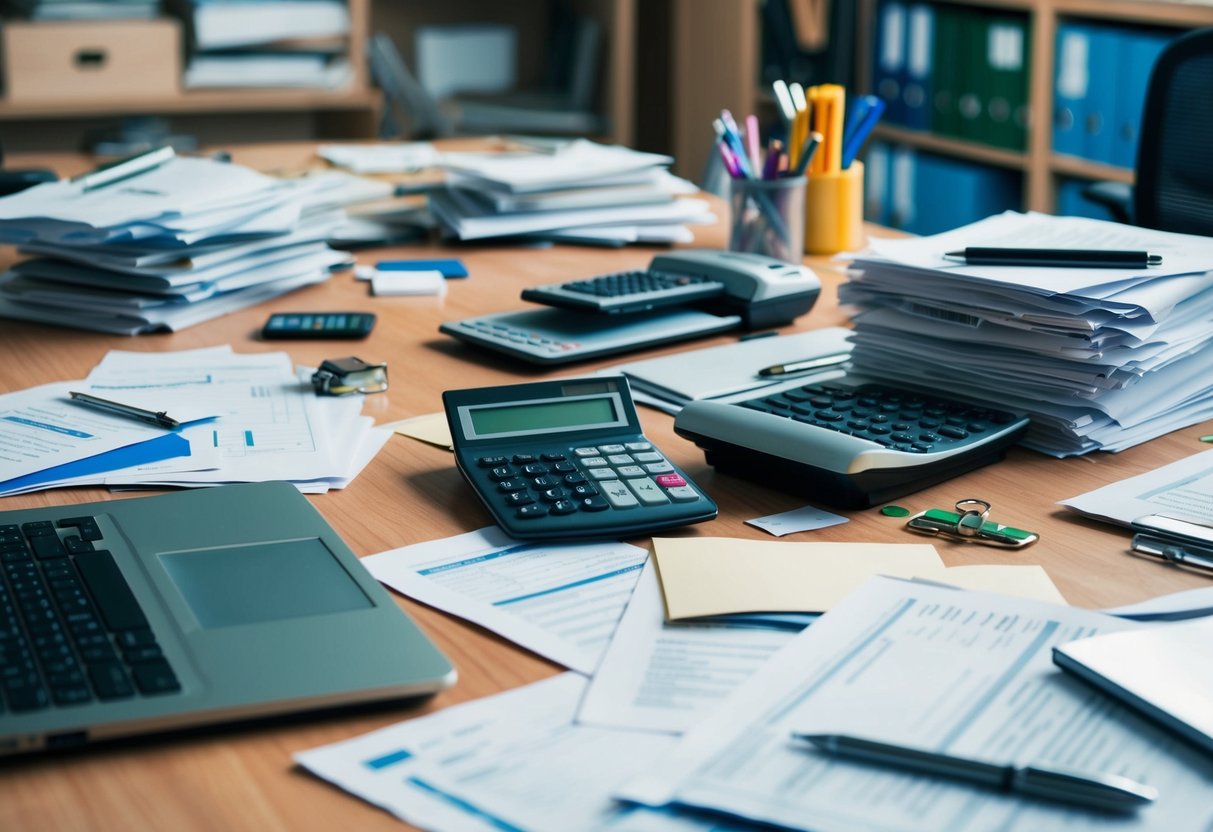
449	268
169	446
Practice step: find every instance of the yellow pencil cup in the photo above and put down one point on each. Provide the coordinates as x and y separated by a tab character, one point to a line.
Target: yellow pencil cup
833	213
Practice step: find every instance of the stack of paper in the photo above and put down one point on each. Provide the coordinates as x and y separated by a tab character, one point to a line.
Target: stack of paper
270	43
247	418
580	192
1099	358
173	246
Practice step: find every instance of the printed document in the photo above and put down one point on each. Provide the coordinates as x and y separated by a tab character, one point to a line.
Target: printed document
962	673
659	676
561	600
1183	490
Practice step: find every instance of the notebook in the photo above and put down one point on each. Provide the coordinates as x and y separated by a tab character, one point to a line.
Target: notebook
1164	672
213	605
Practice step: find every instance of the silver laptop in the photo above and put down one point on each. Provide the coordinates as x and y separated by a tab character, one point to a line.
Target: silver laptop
166	612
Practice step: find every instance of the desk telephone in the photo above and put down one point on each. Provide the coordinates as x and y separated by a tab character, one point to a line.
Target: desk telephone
684	294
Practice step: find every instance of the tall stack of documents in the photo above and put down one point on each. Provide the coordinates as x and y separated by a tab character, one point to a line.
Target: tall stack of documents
1099	358
180	243
578	192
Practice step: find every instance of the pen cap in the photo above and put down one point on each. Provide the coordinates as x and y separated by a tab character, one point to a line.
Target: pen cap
833	214
767	217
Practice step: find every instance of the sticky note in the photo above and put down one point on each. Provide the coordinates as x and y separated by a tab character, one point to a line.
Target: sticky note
408	283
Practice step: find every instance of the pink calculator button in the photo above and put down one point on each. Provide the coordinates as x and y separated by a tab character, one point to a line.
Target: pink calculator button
669	480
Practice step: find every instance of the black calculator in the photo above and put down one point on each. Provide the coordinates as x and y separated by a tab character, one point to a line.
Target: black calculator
850	443
568	459
626	292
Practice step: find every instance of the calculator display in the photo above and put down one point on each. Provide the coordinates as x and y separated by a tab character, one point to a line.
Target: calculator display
488	421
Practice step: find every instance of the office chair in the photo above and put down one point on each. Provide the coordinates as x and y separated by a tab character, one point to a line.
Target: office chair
1174	188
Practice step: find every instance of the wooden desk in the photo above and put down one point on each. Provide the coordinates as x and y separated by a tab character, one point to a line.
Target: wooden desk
237	779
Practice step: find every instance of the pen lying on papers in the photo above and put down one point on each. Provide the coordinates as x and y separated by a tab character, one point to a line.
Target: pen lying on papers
1110	792
151	416
790	367
121	169
1055	257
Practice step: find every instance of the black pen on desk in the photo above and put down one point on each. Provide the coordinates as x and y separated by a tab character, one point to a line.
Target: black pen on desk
1109	792
1069	258
121	169
789	367
153	417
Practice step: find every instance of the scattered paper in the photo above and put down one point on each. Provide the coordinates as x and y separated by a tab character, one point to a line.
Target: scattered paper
797	520
560	600
397	157
1183	490
431	428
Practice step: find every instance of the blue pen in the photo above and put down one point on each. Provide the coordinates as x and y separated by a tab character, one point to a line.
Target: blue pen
868	110
733	137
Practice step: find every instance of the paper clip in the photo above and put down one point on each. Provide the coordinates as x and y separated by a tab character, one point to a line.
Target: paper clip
970	523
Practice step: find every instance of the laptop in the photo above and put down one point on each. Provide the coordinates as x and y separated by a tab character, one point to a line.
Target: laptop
157	613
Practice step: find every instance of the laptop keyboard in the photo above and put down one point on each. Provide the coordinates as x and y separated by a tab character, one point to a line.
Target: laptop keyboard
71	630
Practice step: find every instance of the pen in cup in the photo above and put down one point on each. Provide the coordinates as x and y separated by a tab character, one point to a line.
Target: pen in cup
1109	792
789	367
153	417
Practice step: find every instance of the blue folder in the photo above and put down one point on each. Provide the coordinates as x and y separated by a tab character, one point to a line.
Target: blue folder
169	446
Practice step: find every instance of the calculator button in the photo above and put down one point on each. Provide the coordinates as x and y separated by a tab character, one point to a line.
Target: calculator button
503	472
929	424
659	468
533	510
583	452
901	437
519	498
553	457
522	459
638	446
953	432
554	494
491	461
648	456
648	492
564	467
576	478
630	471
593	462
534	469
585	490
976	427
618	495
564	507
670	480
682	494
601	473
878	430
506	486
620	459
611	449
545	481
594	504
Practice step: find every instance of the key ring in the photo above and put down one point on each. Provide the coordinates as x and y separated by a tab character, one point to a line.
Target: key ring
973	514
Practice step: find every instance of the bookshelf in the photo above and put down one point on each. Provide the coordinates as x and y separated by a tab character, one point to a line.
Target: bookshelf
350	112
1042	168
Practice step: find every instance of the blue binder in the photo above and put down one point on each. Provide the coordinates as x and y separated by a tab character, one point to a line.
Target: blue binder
1070	86
951	193
1099	130
1139	51
920	50
889	65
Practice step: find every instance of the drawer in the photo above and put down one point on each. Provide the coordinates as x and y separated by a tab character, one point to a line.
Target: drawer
94	60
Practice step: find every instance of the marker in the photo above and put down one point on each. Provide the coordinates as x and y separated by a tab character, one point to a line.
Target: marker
789	367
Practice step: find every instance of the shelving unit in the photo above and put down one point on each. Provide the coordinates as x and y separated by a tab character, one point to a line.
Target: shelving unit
1041	166
352	112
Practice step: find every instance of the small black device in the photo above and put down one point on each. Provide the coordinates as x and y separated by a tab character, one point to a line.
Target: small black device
622	292
849	443
568	459
336	325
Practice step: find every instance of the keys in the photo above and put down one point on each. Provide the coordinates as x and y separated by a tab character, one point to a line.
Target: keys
110	591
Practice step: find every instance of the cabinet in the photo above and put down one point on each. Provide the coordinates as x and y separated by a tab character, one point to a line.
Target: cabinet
1044	171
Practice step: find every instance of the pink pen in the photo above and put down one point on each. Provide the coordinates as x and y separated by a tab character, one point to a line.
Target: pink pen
730	160
751	137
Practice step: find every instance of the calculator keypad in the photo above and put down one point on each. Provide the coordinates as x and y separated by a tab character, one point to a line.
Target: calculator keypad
590	478
894	418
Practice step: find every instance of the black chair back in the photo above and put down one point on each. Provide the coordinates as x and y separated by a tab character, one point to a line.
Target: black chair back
1174	190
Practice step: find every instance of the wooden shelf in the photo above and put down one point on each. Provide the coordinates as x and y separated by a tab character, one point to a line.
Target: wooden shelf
1186	15
952	147
1086	169
200	101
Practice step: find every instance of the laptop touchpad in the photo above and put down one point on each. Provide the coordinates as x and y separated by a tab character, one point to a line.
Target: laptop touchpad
237	585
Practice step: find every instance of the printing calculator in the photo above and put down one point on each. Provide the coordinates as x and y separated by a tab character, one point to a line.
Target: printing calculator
567	459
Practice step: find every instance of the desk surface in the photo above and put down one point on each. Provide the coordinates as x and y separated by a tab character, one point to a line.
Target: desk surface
244	778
